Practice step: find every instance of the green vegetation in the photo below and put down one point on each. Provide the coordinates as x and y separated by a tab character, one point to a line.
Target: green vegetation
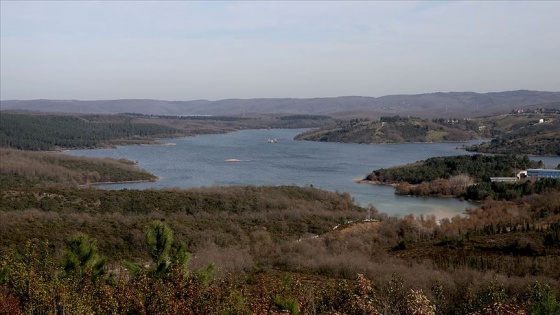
81	257
464	176
189	117
535	132
523	134
510	191
479	167
225	217
55	132
394	130
49	132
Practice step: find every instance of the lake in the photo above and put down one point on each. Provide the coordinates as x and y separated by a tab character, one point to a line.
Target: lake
203	161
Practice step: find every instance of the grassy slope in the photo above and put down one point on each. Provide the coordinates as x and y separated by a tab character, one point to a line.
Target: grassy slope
522	134
404	130
513	133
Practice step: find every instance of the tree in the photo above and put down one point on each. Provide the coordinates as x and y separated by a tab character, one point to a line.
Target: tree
159	241
81	257
159	238
417	303
460	183
542	299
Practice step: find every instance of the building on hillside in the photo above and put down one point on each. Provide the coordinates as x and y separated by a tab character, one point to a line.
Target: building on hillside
543	173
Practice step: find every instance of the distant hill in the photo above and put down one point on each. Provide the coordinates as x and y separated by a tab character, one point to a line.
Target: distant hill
530	131
527	133
453	104
394	130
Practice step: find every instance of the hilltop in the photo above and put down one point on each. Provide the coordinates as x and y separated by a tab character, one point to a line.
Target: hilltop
536	133
532	132
452	104
394	130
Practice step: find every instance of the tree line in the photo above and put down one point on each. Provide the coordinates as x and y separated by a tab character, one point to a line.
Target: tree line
479	167
465	177
49	132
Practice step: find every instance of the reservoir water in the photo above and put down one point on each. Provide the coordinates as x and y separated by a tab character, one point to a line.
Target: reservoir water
203	161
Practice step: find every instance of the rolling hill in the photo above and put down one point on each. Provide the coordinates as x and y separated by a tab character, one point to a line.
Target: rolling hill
453	104
392	130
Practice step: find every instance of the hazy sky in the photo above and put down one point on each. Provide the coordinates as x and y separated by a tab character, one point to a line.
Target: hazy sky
178	50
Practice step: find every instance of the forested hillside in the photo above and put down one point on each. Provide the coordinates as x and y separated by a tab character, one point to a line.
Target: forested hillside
479	167
223	217
50	132
532	134
394	129
465	176
34	131
270	250
48	169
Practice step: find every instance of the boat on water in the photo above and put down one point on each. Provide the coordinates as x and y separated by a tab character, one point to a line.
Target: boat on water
272	140
233	160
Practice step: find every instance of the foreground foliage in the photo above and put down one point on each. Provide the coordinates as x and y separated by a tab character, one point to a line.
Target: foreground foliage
34	283
221	216
270	250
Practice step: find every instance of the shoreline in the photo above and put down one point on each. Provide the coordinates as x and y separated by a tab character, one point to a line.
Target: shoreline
394	185
373	182
120	182
403	142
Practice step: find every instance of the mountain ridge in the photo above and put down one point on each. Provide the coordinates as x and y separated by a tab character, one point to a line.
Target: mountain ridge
437	104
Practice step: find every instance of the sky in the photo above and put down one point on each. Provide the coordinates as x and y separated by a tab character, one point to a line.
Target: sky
187	50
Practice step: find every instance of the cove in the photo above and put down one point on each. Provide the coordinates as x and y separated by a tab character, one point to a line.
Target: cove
247	158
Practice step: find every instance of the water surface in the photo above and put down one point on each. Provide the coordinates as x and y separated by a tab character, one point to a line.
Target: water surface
202	161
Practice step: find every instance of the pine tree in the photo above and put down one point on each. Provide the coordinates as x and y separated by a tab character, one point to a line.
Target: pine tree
159	238
81	257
